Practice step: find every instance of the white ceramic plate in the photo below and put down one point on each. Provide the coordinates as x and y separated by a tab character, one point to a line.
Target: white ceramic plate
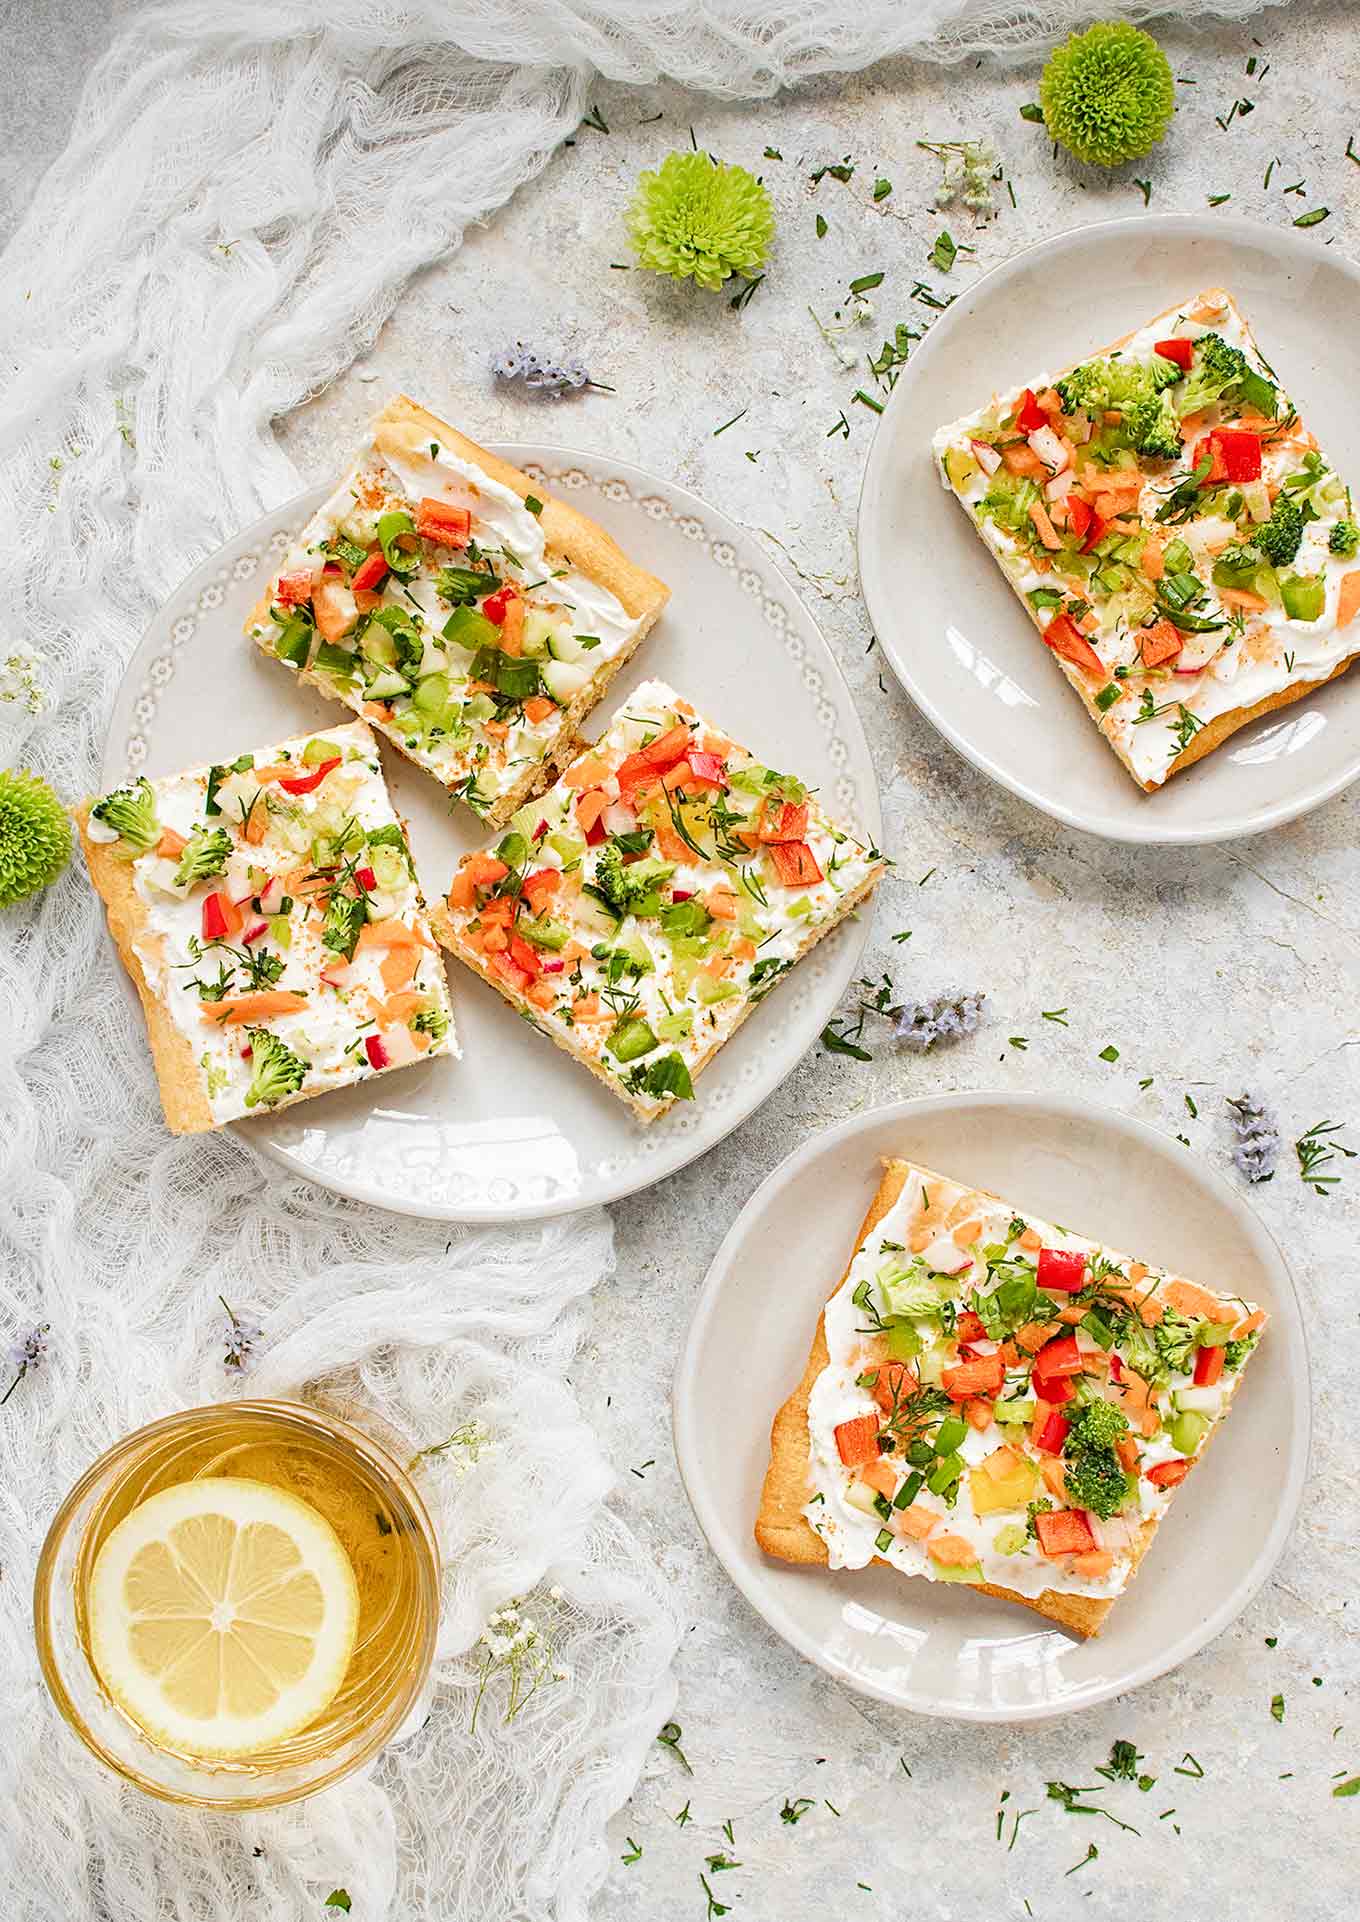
517	1130
946	618
938	1649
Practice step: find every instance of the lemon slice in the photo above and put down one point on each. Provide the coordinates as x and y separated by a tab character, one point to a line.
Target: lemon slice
222	1615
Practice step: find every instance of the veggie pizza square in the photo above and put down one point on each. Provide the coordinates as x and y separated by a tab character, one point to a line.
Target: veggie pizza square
473	618
994	1400
269	914
638	911
1173	530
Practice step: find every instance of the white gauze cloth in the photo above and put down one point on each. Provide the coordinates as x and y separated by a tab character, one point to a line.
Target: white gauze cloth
249	186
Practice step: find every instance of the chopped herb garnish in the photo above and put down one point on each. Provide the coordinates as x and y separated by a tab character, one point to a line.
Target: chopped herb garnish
1313	218
1110	1053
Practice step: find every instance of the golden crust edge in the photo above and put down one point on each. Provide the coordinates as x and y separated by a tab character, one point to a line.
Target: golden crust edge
186	1107
784	1532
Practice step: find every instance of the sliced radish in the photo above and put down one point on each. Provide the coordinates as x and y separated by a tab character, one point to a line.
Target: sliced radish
619	819
337	974
271	897
945	1256
1046	444
987	457
254	932
376	1051
1060	486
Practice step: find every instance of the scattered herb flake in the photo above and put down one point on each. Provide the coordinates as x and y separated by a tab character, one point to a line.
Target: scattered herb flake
882	188
820	225
731	423
864	282
669	1737
634	1852
1277	1707
1352	1787
1314	1151
1032	111
1108	1054
338	1899
793	1812
1056	1014
1145	188
1313	218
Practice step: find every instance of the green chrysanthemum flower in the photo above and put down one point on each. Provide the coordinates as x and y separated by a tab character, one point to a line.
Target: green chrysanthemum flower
1108	94
698	219
35	836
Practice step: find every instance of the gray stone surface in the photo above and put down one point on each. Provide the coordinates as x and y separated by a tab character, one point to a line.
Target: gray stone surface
1209	969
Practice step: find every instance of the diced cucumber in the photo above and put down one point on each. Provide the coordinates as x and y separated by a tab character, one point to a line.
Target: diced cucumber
942	1572
564	680
568	847
712	991
431	694
675	1027
1011	1539
336	662
379	645
859	1495
593	916
545	933
480	708
564	646
904	1344
1187	1431
389	868
385	683
433	659
539	628
317	751
281	930
631	1038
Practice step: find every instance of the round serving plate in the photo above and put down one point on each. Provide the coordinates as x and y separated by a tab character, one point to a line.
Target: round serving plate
941	1649
948	621
516	1130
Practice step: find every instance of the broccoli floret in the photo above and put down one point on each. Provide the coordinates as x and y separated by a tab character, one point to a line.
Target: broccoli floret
1154	428
1236	1352
206	853
1175	1340
1216	368
1093	1473
1098	384
278	1072
1280	537
433	1022
1344	539
131	812
1037	1507
630	887
344	923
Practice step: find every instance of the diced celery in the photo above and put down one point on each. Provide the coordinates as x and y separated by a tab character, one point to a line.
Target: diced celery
904	1344
465	627
631	1038
1187	1431
317	751
799	908
432	694
1304	596
950	1433
942	1572
281	930
567	846
389	868
1020	1410
712	990
1011	1539
677	1027
480	708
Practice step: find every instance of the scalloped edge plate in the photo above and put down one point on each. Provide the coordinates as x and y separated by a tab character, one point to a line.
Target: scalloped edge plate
516	1130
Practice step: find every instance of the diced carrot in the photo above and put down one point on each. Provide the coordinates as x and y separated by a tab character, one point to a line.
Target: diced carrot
1348	600
1137	1400
1160	643
589	1010
234	1009
589	771
1189	1299
171	845
967	1233
1242	597
1044	527
377	710
541	993
477	871
419	1039
721	903
1031	1239
257	825
914	1521
1055	1476
537	708
1142	1301
951	1551
1000	1462
718	965
857	1439
512	626
1022	459
1009	1353
574	951
498	730
495	939
1151	562
1249	1324
743	950
893	1380
1063	1531
335	609
398	968
1094	1563
1127	1450
1031	1337
275	771
981	1377
391	934
513	975
978	1414
881	1476
1072	1315
540	887
589	807
500	910
1049	400
397	1010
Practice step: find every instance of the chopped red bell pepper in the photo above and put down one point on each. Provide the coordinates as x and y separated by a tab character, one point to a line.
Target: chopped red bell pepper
983	1376
1208	1366
1061	1270
494	606
524	957
1058	1358
438	521
1054	1388
970	1326
1239	451
1116	1367
253	933
893	1381
370	572
509	970
789	824
795	864
366	878
1064	1531
214	916
708	770
1210	450
1167	1474
1052	1435
1080	514
1063	636
305	783
857	1440
658	757
293	590
376	1050
1095	533
1030	414
595	833
1181	351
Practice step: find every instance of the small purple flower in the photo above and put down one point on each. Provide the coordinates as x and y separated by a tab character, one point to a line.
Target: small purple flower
1258	1138
240	1337
25	1354
543	376
946	1017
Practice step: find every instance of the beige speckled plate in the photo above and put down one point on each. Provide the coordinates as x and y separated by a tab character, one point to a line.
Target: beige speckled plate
516	1129
939	1649
945	616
